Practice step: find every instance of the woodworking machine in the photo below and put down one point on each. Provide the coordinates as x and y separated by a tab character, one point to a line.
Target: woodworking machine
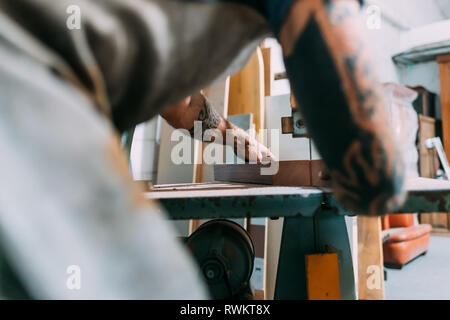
313	220
314	235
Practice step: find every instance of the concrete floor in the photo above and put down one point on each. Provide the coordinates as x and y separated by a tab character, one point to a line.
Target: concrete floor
425	278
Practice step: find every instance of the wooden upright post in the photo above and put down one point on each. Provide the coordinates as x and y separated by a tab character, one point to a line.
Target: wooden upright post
370	259
444	70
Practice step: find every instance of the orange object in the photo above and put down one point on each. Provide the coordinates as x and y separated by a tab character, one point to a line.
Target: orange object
322	274
405	240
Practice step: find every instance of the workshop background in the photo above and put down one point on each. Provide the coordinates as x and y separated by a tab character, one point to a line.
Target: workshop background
414	83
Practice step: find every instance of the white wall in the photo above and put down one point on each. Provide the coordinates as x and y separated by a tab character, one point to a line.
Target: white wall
411	13
398	17
383	44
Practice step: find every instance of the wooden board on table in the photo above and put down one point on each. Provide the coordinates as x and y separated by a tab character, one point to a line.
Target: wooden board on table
290	173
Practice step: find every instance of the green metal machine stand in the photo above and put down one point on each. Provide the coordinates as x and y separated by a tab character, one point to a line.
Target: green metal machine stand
303	236
314	221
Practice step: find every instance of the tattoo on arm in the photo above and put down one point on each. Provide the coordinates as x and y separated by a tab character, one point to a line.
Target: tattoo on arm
208	116
344	108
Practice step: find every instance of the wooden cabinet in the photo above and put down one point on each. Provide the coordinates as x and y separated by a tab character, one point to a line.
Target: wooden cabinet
428	160
428	164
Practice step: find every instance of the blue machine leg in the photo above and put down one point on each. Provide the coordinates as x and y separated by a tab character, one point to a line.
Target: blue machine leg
302	236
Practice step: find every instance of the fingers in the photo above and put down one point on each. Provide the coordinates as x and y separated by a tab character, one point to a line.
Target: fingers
249	149
268	154
256	151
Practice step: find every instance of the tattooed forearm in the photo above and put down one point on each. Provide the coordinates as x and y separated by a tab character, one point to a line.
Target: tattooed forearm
328	62
209	117
198	109
195	108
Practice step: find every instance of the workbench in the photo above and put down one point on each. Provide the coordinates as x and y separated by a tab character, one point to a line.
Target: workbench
314	220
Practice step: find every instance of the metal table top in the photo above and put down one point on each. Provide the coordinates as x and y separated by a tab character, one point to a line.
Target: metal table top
223	200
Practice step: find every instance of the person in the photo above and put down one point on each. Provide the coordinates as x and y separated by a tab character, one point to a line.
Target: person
72	223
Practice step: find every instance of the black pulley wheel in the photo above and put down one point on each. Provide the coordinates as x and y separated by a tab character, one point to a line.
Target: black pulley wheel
225	254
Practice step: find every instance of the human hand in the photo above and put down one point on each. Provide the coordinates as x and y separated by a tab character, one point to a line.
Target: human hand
248	148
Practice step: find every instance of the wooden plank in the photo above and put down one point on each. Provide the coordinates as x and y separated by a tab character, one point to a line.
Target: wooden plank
428	162
442	59
370	259
444	70
235	190
425	218
426	188
196	186
427	166
320	176
268	73
256	229
274	231
322	276
198	162
439	220
441	231
290	173
247	90
427	130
